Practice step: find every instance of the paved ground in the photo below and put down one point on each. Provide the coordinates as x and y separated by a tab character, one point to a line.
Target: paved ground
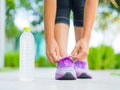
44	80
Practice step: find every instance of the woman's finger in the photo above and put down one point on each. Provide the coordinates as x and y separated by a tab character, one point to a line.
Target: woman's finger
48	53
54	57
50	59
80	56
74	52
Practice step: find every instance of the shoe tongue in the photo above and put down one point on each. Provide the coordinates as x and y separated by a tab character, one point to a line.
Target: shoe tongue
67	61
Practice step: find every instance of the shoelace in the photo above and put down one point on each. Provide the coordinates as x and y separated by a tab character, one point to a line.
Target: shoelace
81	64
65	63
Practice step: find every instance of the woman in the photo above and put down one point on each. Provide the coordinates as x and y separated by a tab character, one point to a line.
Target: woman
56	21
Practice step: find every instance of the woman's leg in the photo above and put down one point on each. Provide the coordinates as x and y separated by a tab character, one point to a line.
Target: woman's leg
61	36
78	33
62	25
78	12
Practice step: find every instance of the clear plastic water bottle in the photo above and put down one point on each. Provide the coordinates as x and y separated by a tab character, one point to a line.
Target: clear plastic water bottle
27	55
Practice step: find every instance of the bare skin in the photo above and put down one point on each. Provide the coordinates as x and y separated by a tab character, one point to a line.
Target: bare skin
78	33
58	46
52	49
81	49
57	36
61	36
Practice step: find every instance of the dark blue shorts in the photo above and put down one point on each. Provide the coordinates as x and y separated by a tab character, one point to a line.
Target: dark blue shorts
64	8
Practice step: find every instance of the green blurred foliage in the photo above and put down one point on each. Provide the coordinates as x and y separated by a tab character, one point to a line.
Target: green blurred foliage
12	59
42	61
25	3
11	29
108	16
117	60
115	8
10	4
36	6
7	69
110	5
102	57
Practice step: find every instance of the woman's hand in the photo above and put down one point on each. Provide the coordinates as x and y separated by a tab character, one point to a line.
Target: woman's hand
81	50
52	51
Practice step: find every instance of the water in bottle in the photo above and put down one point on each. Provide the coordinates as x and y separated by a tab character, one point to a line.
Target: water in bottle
27	54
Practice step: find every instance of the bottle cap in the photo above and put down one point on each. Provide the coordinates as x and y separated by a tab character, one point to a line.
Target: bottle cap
27	29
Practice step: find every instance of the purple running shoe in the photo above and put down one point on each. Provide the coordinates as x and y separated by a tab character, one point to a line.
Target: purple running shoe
82	71
65	69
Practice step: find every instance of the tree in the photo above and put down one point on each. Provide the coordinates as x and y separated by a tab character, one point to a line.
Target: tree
11	29
36	6
107	16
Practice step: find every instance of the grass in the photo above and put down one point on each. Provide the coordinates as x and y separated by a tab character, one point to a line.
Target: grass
115	73
7	69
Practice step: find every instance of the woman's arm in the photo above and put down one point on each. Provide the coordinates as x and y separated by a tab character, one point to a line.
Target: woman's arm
52	50
81	49
89	17
49	19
